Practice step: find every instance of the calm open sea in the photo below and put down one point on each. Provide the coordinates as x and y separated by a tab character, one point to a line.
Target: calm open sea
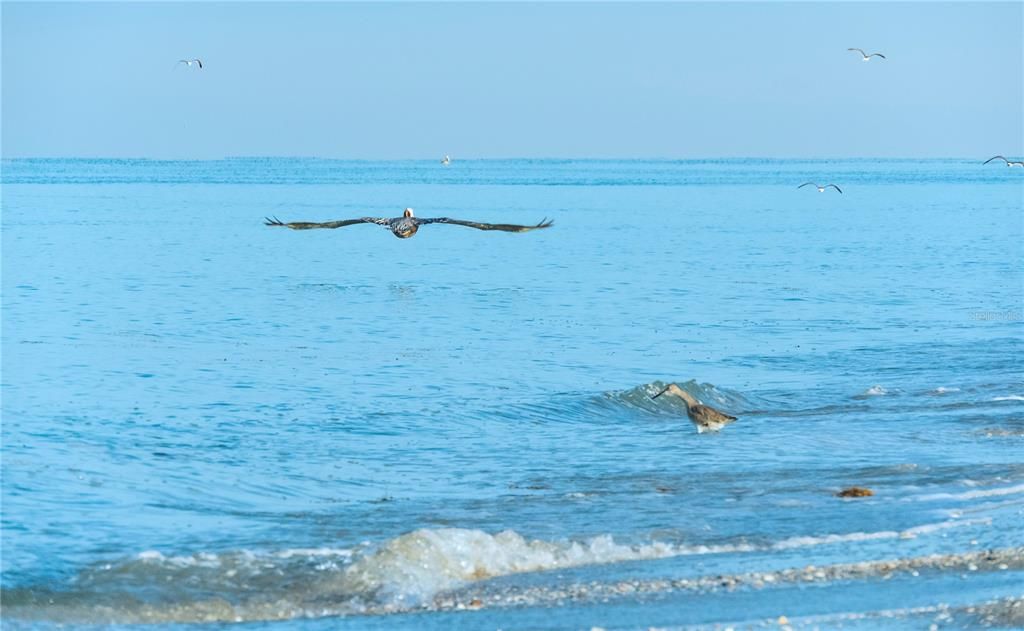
205	419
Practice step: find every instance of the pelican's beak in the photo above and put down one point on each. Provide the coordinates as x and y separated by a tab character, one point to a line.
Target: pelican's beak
662	392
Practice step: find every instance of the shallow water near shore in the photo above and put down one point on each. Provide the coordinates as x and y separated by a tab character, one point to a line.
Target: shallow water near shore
208	420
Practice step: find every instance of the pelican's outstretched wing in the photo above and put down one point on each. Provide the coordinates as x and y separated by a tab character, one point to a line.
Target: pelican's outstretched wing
199	61
305	225
835	187
877	55
506	227
808	184
994	158
859	51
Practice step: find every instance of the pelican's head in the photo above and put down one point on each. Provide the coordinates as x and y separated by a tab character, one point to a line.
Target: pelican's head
407	213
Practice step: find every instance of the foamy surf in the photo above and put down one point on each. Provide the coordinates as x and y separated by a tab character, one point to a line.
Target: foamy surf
972	495
873	391
312	601
408	572
418	565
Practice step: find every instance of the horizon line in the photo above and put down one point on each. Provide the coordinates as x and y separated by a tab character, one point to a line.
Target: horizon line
486	159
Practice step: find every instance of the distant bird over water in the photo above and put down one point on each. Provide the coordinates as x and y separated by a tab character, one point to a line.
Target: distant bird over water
405	226
189	62
1009	163
821	189
866	57
447	160
704	417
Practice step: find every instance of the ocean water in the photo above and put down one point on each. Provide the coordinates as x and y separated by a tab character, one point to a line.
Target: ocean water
208	420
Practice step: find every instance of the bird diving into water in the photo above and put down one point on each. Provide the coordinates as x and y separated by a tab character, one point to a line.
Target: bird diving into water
821	189
1009	163
405	226
704	417
866	57
447	160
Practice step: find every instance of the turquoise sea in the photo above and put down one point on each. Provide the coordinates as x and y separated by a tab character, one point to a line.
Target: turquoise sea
205	420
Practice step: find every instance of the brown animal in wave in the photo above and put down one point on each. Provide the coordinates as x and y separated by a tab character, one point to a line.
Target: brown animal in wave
706	418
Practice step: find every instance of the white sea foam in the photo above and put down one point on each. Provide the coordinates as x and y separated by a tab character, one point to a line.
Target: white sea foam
1012	397
971	495
410	569
315	552
875	391
200	559
414	567
417	565
944	390
909	533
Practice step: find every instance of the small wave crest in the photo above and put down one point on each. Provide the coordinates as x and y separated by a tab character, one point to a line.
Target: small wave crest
873	391
707	393
973	495
401	574
580	407
414	567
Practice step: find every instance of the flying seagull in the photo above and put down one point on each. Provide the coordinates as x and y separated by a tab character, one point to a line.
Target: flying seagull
821	189
189	62
865	56
405	226
704	417
447	160
1009	163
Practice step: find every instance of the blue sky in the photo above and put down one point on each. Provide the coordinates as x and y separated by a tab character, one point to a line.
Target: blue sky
373	81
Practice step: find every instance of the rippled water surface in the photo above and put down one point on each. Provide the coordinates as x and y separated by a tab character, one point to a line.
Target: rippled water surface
206	419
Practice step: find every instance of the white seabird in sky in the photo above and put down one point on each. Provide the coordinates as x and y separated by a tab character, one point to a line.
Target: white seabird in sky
1009	163
865	56
821	189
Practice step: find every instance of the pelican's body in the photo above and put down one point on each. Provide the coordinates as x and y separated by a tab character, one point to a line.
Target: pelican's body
447	160
407	225
866	57
821	189
1009	163
704	417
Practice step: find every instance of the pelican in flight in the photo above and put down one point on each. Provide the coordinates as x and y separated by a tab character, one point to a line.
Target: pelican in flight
704	417
447	160
866	57
405	226
189	62
1009	163
821	189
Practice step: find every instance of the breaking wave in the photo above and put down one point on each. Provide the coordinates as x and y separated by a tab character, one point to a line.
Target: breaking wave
408	572
873	391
